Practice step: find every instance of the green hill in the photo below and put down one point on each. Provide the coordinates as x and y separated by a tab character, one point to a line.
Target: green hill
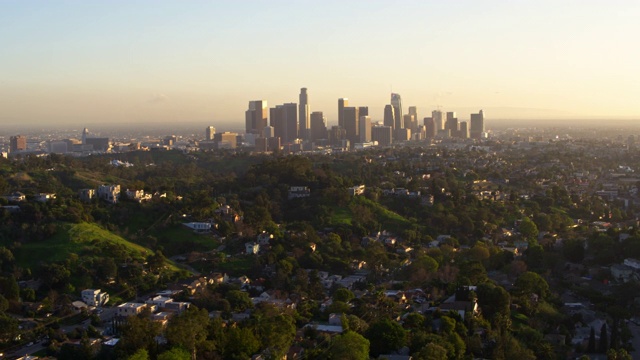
81	239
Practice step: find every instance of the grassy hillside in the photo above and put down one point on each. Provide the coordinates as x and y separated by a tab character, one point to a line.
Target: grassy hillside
80	239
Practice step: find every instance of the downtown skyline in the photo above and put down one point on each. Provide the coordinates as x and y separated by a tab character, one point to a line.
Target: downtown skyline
169	62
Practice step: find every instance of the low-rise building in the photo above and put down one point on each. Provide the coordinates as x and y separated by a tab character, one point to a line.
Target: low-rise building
130	309
109	193
94	297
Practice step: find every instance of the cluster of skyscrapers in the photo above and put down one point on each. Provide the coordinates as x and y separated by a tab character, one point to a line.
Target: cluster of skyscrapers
294	124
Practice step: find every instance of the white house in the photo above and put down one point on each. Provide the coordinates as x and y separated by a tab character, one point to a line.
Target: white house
130	309
44	197
94	297
109	193
199	227
252	247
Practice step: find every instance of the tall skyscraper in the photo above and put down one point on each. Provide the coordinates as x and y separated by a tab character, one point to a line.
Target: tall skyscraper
318	126
452	123
256	117
304	115
85	134
410	122
363	111
464	130
365	128
396	102
430	128
342	103
284	119
17	143
351	120
389	116
477	125
209	132
414	111
438	117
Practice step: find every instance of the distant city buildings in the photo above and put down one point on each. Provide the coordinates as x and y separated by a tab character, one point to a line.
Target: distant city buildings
304	115
476	130
209	132
17	143
256	117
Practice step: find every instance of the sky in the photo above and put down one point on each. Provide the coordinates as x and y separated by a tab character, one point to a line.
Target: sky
172	62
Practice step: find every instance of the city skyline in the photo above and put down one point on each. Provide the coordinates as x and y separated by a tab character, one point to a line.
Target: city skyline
168	62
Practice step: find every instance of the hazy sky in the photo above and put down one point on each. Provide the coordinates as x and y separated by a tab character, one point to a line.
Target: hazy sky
86	62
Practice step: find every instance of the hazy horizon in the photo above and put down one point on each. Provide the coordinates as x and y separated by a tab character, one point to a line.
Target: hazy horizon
167	62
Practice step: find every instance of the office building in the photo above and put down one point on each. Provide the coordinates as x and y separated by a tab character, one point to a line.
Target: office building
273	144
209	132
382	134
351	120
342	103
318	126
261	144
476	129
98	144
396	102
430	128
365	128
414	111
389	116
304	116
410	122
439	118
363	111
17	143
226	140
85	135
256	117
268	131
284	119
463	133
452	123
337	135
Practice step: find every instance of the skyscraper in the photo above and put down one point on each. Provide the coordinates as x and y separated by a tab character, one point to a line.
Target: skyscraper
85	134
256	117
304	115
382	134
430	128
318	126
464	130
396	102
342	103
410	123
414	111
439	119
389	116
209	132
363	111
452	123
284	119
477	125
350	120
365	128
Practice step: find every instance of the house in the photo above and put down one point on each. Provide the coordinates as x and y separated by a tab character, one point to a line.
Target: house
16	196
130	309
623	273
199	227
296	192
252	248
44	197
137	195
94	297
109	193
86	195
264	238
219	278
356	190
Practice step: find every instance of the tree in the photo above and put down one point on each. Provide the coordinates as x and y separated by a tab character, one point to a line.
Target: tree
528	229
240	344
343	294
431	351
277	334
385	336
591	348
189	329
141	354
138	332
493	300
175	353
349	346
603	347
239	300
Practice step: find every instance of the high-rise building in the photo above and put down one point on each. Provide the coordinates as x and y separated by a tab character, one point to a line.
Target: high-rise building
464	130
304	115
477	125
337	134
363	111
342	103
284	119
256	116
365	128
389	116
452	123
410	122
396	102
438	117
318	126
382	134
85	135
268	131
430	128
414	111
350	120
17	143
209	132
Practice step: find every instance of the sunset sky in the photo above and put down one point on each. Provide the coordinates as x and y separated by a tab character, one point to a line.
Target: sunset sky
125	62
